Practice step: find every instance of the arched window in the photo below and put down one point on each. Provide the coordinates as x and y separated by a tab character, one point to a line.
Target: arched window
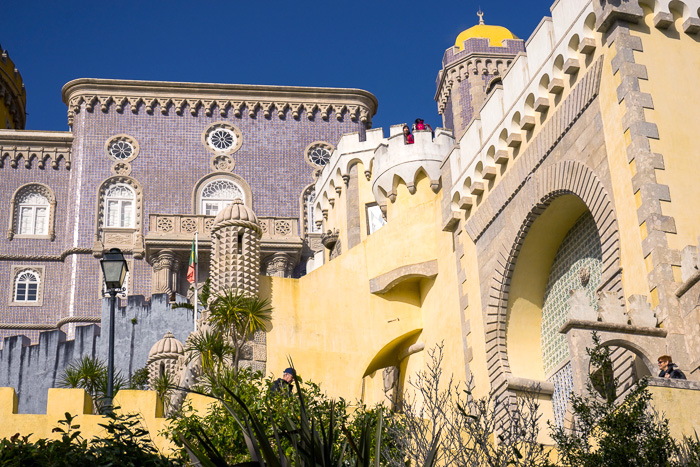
33	211
119	206
26	287
218	194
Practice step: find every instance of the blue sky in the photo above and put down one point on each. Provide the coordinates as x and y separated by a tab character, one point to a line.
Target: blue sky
392	49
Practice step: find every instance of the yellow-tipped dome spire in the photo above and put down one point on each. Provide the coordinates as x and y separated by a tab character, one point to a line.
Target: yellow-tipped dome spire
495	34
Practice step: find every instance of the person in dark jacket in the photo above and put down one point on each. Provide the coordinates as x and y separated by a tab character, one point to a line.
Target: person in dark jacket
669	369
284	384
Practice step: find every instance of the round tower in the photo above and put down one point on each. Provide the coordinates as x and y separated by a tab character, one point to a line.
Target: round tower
13	95
471	69
236	250
163	357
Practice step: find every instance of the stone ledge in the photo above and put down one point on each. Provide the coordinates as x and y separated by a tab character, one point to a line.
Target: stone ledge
530	385
674	383
387	281
611	327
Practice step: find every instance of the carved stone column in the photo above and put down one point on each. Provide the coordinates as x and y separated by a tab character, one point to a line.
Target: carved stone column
165	266
279	265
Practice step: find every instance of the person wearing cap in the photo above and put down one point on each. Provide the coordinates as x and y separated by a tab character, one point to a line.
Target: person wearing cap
285	382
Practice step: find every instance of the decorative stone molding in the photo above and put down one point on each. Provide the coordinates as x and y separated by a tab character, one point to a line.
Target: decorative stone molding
127	239
39	146
318	154
528	162
116	153
165	265
235	143
226	99
279	265
543	186
387	281
330	238
528	80
654	224
48	258
121	168
46	192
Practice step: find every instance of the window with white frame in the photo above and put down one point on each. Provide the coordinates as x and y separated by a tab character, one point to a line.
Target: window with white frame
26	287
218	194
33	214
375	218
119	200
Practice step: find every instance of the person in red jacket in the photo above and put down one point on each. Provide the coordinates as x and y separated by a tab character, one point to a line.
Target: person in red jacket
421	125
407	136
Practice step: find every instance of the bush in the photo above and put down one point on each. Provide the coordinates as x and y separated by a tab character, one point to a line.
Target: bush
126	444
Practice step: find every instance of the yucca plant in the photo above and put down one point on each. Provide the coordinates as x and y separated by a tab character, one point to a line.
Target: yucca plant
311	438
90	373
239	316
212	348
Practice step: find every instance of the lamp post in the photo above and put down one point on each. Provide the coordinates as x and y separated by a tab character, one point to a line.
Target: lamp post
114	271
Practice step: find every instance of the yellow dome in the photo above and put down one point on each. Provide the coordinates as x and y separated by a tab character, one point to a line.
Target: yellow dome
495	35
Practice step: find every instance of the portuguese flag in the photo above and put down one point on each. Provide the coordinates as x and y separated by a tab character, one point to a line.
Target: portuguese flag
193	263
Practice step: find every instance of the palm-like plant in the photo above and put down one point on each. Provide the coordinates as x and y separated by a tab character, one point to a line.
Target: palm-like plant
239	316
90	373
213	349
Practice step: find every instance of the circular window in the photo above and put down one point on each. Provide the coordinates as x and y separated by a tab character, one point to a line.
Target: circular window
319	153
122	148
222	138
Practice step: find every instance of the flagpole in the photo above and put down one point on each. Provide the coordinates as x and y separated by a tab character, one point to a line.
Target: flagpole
196	279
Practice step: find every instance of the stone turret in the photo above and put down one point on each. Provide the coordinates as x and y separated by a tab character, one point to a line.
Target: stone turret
236	237
163	357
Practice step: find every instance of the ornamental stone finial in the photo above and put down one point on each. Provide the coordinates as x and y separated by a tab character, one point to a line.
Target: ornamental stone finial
480	14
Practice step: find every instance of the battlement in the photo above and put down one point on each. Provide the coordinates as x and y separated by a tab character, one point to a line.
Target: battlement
77	402
378	155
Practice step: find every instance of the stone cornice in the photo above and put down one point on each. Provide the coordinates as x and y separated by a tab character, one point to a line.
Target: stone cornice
42	145
206	97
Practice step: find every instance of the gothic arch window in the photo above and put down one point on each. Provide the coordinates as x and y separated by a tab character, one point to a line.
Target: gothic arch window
33	208
215	191
27	286
119	216
218	194
119	201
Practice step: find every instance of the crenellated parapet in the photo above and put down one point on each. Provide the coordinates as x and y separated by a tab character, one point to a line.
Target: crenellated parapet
35	148
349	151
13	95
397	162
225	99
386	161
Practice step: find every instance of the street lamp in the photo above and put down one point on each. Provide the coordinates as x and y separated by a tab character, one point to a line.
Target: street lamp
114	271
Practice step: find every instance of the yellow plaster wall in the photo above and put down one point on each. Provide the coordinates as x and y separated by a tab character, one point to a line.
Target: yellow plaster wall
676	404
332	327
634	272
78	403
675	94
524	319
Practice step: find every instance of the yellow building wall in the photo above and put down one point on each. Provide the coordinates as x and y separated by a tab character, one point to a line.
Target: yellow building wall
332	327
146	404
675	94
